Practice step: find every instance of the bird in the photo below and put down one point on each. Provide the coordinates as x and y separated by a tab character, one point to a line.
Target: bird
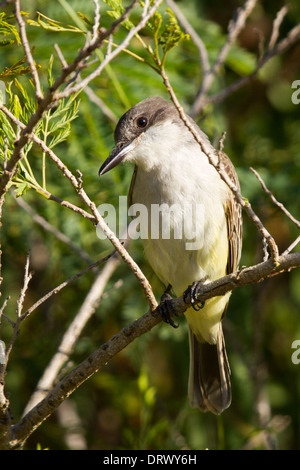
172	172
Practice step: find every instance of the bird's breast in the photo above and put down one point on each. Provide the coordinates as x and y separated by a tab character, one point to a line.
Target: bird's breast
184	221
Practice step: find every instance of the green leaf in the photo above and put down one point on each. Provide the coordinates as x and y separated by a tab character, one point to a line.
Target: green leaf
29	104
61	136
6	42
7	29
7	128
53	25
155	22
116	5
85	19
116	12
16	107
21	188
67	111
58	126
172	34
17	69
50	76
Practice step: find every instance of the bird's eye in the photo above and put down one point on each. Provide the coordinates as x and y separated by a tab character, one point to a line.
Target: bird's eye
142	121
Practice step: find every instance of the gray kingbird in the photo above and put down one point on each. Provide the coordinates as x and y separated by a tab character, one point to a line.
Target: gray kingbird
171	170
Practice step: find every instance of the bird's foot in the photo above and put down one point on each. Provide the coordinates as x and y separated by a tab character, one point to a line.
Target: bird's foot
193	292
166	309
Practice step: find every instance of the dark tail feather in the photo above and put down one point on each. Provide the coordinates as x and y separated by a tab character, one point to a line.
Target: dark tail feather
209	379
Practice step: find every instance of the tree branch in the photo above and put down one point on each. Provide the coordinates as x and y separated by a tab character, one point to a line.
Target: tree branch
254	274
274	200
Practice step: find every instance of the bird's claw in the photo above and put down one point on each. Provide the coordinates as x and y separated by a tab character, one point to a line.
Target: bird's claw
192	292
165	308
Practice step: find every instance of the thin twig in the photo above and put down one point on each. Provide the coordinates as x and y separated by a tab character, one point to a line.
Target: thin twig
234	29
280	48
276	25
60	55
27	278
292	246
30	60
96	24
16	325
61	286
108	58
72	334
195	37
51	229
145	9
273	198
3	308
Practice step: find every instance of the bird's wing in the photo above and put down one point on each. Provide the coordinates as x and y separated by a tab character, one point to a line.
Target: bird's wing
233	212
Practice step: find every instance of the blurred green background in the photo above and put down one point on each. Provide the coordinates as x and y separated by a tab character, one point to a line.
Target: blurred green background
139	401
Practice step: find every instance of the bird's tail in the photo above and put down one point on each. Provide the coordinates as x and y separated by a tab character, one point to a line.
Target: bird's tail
209	377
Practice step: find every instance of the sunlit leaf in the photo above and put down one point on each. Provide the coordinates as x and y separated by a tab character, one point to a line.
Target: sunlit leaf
85	19
19	68
117	11
7	29
172	34
53	25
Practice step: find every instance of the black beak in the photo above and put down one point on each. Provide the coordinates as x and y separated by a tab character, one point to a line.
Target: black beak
117	155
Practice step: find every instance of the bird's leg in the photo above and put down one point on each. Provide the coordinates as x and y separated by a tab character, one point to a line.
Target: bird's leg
165	307
193	292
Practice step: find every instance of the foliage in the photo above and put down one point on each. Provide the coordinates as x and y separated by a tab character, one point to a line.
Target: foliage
139	400
53	129
52	25
8	29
